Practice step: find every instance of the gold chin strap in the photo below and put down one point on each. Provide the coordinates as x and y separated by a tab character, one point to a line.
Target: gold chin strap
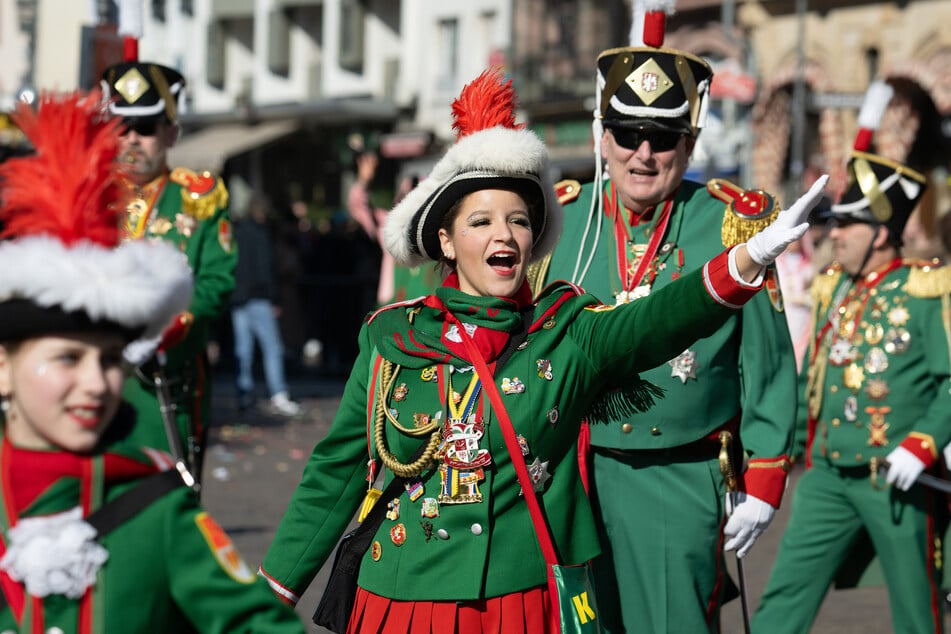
621	67
690	88
868	184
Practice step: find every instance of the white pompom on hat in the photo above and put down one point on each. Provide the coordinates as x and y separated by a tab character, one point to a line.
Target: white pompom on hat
67	269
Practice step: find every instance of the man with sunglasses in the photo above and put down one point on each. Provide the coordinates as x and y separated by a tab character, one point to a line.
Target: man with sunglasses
656	483
188	209
876	397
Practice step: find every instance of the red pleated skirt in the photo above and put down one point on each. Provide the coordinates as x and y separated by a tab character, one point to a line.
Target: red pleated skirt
516	613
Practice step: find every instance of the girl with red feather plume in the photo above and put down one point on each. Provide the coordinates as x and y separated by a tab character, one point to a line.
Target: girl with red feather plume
470	401
95	538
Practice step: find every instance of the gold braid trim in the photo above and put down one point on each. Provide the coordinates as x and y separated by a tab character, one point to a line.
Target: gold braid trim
421	464
928	279
821	290
816	378
536	274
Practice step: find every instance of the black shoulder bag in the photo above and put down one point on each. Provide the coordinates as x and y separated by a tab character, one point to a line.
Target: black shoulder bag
335	606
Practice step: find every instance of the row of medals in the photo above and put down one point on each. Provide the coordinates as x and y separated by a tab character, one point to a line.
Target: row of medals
461	458
685	365
859	371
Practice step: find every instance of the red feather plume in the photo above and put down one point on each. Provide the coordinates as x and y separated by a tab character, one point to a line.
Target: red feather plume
486	102
69	189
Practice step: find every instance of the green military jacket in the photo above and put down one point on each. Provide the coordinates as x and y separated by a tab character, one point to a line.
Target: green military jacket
879	366
170	568
191	213
745	370
434	549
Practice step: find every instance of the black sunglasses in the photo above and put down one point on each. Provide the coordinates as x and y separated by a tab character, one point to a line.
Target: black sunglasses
142	127
659	140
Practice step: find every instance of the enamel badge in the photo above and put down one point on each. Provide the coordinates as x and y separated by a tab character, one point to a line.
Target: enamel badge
684	366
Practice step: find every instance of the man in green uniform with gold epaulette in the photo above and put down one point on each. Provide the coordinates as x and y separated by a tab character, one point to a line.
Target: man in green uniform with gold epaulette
877	394
188	209
657	487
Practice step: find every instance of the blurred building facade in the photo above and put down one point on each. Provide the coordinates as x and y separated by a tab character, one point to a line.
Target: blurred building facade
277	88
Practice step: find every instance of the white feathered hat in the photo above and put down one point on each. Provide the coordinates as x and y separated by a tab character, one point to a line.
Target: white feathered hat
491	152
64	268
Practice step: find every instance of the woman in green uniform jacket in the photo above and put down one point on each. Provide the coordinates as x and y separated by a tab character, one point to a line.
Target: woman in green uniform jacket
458	545
76	553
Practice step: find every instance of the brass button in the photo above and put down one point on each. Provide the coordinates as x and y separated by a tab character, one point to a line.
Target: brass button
835	455
836	422
833	388
858	423
858	457
925	444
627	427
655	431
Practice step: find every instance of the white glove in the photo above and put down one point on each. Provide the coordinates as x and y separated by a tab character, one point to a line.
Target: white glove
141	350
747	521
904	468
788	227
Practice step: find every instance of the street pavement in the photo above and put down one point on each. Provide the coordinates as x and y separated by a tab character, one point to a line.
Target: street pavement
255	461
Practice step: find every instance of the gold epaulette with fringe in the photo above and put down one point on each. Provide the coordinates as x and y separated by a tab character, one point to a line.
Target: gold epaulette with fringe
928	278
823	285
747	211
202	194
567	191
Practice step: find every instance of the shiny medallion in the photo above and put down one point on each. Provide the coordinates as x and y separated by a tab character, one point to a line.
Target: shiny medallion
414	488
512	386
684	366
853	376
877	426
185	224
430	508
399	394
876	361
897	341
842	352
420	419
851	408
544	369
874	333
552	416
538	471
428	374
398	535
160	227
393	509
898	316
876	389
523	445
549	323
459	486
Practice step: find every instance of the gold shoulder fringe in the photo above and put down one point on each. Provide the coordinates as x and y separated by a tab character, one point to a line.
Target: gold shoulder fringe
928	278
822	287
747	211
537	271
203	206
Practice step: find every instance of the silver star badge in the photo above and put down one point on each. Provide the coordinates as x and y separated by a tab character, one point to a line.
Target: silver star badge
684	366
538	471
